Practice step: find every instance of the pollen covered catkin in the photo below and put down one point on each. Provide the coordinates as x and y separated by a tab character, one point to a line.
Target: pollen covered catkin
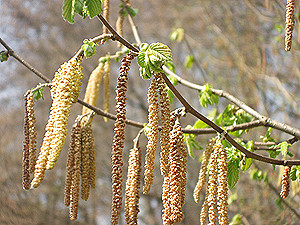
65	91
118	140
106	87
289	23
164	103
133	184
85	164
92	89
202	174
152	134
119	25
105	14
285	182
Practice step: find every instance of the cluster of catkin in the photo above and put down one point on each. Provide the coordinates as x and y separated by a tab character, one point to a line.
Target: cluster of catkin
289	23
81	166
118	140
174	185
158	101
65	91
215	206
285	182
29	146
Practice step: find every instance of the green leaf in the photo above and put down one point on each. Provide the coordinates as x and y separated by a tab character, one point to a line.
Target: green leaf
80	8
199	124
38	93
171	96
279	203
236	220
247	164
233	173
284	148
191	143
4	56
132	11
89	48
177	35
69	10
162	51
293	173
93	7
189	61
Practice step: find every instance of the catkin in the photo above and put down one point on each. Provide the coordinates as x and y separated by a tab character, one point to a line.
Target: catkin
222	185
285	182
118	140
212	190
85	165
26	164
105	14
202	173
204	211
92	157
106	87
31	129
65	91
133	185
289	23
164	103
152	135
92	89
75	145
175	182
119	25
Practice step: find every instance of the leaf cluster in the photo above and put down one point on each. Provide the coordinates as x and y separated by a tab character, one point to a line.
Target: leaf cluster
206	97
82	8
89	48
152	57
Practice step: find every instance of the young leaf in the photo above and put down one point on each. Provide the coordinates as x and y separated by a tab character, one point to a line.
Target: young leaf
189	61
89	48
233	173
3	56
38	93
177	35
93	7
247	164
284	147
69	10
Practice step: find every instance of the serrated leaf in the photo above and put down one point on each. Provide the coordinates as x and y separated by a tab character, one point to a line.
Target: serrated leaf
161	51
68	10
93	7
293	173
79	8
233	173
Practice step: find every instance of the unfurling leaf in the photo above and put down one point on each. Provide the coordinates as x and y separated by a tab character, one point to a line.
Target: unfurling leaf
4	56
89	48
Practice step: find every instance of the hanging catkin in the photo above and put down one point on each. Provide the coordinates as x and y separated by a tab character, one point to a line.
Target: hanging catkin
65	91
133	185
118	141
212	188
152	135
202	174
204	211
75	146
92	89
289	23
106	87
105	14
92	156
164	103
285	182
119	25
222	185
85	164
174	184
31	129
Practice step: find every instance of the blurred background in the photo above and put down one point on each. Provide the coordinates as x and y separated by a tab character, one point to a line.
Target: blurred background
237	46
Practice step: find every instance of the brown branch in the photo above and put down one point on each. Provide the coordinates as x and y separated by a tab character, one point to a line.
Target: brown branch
268	122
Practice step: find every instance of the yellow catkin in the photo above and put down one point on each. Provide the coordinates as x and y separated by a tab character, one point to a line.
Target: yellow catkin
166	126
119	25
92	89
152	135
289	23
32	130
175	182
118	140
222	185
75	145
285	182
204	212
106	87
85	164
26	163
212	191
133	184
65	91
105	14
202	173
